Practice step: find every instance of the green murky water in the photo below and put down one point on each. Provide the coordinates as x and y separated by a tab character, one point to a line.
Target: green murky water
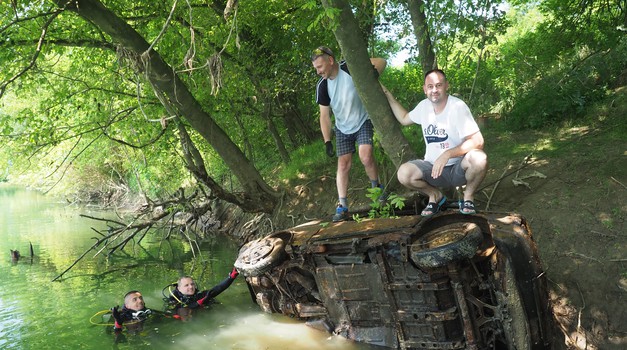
36	313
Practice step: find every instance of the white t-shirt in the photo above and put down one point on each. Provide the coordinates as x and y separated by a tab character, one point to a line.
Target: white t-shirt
445	130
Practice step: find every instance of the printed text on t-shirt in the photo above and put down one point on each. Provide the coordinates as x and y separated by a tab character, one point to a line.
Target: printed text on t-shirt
433	134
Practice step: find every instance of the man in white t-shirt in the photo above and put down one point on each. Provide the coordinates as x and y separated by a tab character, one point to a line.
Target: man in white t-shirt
336	93
454	145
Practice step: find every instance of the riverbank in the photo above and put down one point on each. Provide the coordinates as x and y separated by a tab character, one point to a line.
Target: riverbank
568	181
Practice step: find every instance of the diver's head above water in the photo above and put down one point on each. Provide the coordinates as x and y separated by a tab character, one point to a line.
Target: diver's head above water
134	300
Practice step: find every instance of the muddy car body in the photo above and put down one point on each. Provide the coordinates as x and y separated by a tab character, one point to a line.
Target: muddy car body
452	281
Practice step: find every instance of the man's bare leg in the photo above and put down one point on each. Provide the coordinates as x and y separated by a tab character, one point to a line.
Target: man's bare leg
366	155
344	163
475	164
410	176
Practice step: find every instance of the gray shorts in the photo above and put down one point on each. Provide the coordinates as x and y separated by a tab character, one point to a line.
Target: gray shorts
345	143
452	175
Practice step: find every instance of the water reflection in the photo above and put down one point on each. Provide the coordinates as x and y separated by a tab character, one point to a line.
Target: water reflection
36	313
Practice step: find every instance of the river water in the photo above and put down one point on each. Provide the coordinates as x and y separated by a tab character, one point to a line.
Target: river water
70	313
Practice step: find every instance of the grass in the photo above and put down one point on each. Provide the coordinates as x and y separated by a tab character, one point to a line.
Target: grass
505	146
307	161
608	223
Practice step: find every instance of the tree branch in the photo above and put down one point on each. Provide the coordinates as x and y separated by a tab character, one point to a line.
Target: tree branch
118	234
97	44
65	159
149	142
40	42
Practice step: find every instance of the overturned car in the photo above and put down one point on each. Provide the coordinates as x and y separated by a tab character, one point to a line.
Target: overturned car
451	281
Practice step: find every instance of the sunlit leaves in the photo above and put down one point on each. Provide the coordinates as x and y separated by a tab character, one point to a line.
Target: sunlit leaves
83	89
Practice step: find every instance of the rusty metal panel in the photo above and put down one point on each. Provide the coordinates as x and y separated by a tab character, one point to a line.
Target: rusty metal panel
362	229
383	336
418	286
420	344
360	279
364	313
425	307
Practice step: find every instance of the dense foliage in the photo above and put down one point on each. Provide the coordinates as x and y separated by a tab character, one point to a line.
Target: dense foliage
76	109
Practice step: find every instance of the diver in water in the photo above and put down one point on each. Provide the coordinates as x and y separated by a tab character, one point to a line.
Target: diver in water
186	297
133	314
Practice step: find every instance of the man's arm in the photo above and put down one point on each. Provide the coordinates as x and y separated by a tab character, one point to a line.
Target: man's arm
325	122
399	111
379	64
473	141
215	291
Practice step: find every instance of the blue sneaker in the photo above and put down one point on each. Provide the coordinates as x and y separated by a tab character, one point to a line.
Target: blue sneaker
384	195
341	213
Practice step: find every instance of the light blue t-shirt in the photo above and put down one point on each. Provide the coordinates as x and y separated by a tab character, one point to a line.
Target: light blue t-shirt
341	95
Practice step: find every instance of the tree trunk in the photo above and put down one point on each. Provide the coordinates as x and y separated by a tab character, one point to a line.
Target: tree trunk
354	49
421	31
274	132
365	17
196	165
258	195
300	129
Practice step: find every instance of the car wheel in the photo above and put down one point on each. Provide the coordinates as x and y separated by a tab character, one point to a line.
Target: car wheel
445	244
259	256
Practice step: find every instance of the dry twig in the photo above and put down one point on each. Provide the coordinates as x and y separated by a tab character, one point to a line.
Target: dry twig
579	255
487	206
618	182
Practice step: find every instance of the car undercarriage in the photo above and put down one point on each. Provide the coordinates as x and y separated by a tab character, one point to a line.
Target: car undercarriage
452	281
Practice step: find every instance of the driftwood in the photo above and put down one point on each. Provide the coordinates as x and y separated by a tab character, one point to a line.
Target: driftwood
16	256
180	213
164	214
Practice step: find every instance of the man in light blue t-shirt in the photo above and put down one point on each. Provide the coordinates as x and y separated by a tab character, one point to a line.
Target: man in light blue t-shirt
454	145
336	92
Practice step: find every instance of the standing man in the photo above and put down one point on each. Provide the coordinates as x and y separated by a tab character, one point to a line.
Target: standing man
336	92
454	145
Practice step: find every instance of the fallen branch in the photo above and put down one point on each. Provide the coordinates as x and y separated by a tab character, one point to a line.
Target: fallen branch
498	182
580	330
579	255
604	234
81	257
618	182
118	233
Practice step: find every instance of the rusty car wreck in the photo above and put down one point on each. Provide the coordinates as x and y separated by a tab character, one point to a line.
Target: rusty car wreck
451	281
